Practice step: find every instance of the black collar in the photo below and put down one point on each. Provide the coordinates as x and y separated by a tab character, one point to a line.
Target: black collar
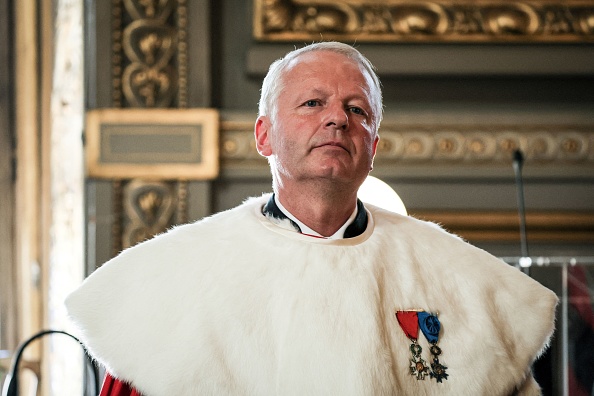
356	228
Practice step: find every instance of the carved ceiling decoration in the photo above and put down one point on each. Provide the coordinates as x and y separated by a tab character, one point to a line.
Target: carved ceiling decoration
149	53
424	21
449	144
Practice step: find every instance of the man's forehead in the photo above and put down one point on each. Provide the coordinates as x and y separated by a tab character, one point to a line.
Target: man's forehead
319	56
310	60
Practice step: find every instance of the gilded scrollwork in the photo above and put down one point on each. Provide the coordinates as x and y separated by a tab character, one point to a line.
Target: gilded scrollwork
439	20
148	209
143	209
418	18
147	65
150	79
149	56
515	19
149	9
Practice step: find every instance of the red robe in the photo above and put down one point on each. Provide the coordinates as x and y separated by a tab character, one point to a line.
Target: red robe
114	387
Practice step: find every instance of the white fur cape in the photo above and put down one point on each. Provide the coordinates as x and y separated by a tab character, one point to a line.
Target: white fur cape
235	304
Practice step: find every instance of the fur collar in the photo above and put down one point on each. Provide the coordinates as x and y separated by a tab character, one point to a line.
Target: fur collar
235	304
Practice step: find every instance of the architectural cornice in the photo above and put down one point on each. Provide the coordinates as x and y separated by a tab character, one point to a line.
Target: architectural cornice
424	21
439	148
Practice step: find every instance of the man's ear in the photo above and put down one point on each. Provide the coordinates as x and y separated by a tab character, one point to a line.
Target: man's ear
375	142
262	135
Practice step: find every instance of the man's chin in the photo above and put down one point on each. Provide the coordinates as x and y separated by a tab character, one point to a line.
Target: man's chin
339	176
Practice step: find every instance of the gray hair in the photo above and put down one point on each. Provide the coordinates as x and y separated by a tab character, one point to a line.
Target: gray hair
273	82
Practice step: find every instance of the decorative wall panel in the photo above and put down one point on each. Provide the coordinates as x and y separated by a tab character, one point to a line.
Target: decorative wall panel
478	144
149	53
449	144
425	21
149	208
149	143
143	208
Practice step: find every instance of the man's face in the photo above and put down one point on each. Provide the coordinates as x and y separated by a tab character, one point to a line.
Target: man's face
323	127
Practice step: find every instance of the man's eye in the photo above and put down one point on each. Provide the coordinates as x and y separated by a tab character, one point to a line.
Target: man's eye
357	110
311	103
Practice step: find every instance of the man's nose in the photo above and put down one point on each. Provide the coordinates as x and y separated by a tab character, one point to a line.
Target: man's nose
336	116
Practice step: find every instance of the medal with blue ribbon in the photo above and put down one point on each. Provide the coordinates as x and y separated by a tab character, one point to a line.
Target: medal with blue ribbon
430	327
409	323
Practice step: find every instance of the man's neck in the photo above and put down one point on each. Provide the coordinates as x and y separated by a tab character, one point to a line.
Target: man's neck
319	211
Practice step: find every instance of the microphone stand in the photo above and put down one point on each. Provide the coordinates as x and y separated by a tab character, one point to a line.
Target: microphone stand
517	164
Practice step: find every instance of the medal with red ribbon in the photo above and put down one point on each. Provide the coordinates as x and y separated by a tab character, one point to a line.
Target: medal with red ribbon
409	323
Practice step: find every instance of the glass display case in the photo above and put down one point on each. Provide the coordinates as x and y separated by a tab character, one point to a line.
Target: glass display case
567	368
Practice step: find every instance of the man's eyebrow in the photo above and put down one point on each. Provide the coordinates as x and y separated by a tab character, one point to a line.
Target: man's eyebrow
364	95
310	93
315	91
320	92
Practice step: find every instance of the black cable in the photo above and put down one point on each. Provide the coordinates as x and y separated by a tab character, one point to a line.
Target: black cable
11	384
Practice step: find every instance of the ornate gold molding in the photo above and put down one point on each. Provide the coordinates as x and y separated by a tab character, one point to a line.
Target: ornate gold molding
449	144
149	69
144	208
481	226
424	21
485	144
149	53
148	208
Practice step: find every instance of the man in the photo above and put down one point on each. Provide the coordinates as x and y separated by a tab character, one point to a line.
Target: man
308	291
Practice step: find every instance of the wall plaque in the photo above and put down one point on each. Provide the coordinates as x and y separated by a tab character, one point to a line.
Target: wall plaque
179	144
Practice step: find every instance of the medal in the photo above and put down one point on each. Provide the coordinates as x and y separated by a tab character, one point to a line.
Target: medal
430	327
409	323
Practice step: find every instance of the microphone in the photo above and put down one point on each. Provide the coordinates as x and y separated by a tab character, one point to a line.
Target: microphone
518	160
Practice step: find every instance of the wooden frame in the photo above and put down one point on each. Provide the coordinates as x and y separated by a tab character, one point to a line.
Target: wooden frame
179	144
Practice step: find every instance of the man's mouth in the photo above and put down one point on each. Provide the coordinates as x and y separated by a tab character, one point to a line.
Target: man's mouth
332	145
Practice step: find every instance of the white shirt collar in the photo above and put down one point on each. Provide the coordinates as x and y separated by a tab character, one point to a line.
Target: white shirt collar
339	234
